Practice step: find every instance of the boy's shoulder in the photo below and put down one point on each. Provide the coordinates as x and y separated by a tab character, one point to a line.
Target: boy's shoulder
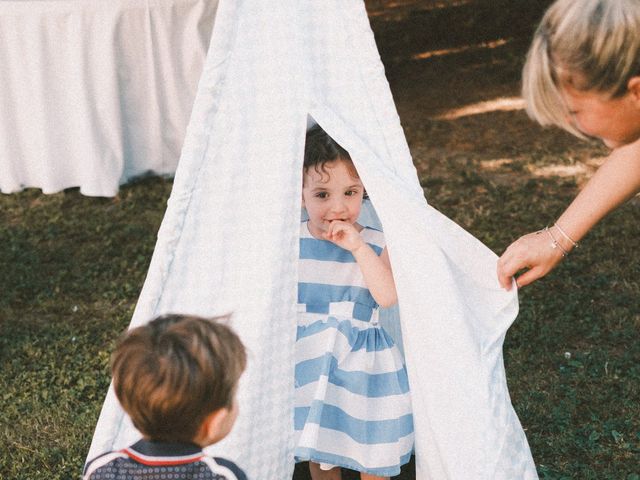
101	465
235	470
152	460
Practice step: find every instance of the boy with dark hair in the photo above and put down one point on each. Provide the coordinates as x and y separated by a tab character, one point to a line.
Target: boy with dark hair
177	378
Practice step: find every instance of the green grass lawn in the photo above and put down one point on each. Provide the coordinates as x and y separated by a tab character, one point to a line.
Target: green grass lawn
72	268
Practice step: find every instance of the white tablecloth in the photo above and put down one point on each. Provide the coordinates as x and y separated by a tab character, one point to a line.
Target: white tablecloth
95	92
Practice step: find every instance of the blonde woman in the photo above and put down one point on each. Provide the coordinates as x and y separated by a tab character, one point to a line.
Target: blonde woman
583	74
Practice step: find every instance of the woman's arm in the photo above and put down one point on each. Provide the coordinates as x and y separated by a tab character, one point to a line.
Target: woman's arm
617	180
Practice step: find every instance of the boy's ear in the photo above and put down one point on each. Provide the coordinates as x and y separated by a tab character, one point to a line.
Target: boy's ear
634	88
213	423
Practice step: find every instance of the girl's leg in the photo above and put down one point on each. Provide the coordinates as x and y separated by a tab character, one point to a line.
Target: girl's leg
366	476
318	474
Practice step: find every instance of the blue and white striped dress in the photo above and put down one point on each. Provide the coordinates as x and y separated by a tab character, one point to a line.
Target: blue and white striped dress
353	407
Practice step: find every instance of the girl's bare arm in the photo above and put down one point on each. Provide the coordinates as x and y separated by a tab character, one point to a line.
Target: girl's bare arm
377	274
376	270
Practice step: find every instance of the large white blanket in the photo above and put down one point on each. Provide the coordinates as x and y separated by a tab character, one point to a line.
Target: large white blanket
229	241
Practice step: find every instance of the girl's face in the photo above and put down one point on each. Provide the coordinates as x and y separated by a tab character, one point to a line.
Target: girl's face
334	195
615	121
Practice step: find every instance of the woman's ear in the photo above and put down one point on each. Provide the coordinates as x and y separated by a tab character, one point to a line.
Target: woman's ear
634	88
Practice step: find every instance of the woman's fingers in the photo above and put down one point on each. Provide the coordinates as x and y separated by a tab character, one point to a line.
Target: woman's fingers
534	252
530	276
508	265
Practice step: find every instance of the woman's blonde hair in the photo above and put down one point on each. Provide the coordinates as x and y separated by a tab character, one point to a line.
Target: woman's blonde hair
589	45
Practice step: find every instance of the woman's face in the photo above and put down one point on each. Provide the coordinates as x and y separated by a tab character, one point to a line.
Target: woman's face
615	121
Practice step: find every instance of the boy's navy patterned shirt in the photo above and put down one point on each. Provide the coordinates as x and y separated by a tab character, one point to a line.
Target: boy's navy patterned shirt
149	460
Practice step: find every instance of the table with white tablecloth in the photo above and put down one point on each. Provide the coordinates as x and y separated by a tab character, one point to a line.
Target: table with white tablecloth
96	92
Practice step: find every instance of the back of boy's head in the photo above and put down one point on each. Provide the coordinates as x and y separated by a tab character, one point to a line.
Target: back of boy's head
170	374
320	149
589	45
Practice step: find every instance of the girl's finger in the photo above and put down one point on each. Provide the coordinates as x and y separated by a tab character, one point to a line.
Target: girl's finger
334	227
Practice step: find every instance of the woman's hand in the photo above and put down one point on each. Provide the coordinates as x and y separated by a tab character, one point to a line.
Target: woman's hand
344	235
617	180
534	251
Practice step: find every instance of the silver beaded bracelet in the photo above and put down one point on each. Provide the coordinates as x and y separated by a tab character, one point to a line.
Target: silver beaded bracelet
554	242
564	234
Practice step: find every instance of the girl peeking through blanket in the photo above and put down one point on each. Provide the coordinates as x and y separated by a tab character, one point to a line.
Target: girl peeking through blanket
353	407
583	75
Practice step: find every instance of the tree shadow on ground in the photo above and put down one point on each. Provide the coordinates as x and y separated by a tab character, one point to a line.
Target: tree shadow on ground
454	67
